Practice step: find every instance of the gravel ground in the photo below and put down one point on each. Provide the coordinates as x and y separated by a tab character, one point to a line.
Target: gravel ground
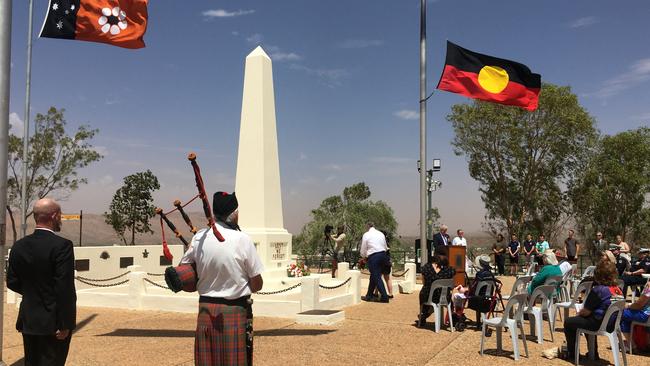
372	334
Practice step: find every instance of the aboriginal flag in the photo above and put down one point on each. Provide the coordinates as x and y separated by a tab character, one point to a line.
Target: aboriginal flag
489	78
117	22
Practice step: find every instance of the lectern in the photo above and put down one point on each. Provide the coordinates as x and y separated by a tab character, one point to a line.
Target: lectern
457	255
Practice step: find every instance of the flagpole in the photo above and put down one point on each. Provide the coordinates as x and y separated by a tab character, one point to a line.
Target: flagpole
5	76
28	85
423	131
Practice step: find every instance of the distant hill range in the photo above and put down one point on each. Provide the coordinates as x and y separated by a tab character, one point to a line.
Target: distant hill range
96	232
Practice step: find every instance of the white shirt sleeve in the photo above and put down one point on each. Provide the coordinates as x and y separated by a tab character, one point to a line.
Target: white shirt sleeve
254	264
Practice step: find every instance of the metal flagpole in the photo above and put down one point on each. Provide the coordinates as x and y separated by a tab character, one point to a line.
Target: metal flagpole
5	75
423	131
23	199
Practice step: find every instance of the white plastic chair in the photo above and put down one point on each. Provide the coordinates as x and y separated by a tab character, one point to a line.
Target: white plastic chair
445	286
545	294
615	336
531	268
519	287
565	293
512	323
585	288
635	288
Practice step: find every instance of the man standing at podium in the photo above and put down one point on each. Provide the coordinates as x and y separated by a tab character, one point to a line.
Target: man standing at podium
460	239
441	241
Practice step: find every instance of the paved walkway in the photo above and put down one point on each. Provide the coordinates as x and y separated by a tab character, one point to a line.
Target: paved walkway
372	334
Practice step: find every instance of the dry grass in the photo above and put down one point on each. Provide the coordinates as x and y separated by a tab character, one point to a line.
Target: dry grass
372	334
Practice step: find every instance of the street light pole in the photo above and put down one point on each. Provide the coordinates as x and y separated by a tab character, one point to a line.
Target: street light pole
423	131
5	76
28	86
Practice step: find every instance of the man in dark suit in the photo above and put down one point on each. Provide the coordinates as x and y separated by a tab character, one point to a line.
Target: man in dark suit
441	241
41	269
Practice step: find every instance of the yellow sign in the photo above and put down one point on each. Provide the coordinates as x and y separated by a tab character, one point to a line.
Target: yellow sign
70	217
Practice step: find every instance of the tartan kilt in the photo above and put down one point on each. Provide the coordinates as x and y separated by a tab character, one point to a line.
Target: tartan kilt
220	335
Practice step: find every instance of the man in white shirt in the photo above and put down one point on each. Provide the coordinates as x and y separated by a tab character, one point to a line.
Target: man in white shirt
373	247
460	239
228	273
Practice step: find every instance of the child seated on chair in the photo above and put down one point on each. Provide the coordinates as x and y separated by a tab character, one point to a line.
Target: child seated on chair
458	300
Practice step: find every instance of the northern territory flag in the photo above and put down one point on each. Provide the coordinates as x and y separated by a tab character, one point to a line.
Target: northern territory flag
489	78
118	22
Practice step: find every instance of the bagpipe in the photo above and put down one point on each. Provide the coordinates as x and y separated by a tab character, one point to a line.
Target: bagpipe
183	277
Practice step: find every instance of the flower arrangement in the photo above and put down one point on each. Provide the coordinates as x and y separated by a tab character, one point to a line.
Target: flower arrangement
362	263
297	270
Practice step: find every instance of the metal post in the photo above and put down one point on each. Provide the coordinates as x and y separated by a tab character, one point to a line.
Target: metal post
429	203
423	131
28	84
81	224
5	74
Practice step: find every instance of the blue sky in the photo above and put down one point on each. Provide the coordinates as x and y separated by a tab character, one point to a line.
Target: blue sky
346	87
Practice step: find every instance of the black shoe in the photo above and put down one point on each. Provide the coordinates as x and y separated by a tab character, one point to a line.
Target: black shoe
369	298
390	296
384	300
421	322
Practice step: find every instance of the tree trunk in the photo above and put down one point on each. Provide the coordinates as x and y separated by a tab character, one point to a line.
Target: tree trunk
133	233
13	223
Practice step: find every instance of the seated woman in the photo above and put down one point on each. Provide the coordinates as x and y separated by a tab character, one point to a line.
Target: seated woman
595	306
637	312
438	269
550	269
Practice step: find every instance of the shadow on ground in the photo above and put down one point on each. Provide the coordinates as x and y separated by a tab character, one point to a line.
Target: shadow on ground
292	332
159	333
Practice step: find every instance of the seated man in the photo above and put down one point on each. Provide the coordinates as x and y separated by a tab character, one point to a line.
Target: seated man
639	267
621	262
637	312
550	269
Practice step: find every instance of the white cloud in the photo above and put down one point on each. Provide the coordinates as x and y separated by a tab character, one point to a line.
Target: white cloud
332	167
407	114
360	43
16	125
302	156
638	73
255	38
235	33
221	13
330	77
285	56
583	22
331	178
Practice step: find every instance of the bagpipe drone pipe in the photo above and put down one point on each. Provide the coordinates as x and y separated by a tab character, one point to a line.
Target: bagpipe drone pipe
183	277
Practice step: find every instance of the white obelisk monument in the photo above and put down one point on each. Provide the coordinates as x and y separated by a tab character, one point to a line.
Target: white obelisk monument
258	169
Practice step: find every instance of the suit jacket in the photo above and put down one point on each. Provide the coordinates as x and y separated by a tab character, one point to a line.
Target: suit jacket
41	269
439	244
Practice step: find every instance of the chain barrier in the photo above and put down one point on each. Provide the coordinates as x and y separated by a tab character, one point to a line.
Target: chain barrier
80	279
402	274
279	291
155	274
102	279
155	284
337	286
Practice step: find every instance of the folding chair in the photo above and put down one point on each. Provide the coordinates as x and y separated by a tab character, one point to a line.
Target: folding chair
445	287
513	324
615	337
